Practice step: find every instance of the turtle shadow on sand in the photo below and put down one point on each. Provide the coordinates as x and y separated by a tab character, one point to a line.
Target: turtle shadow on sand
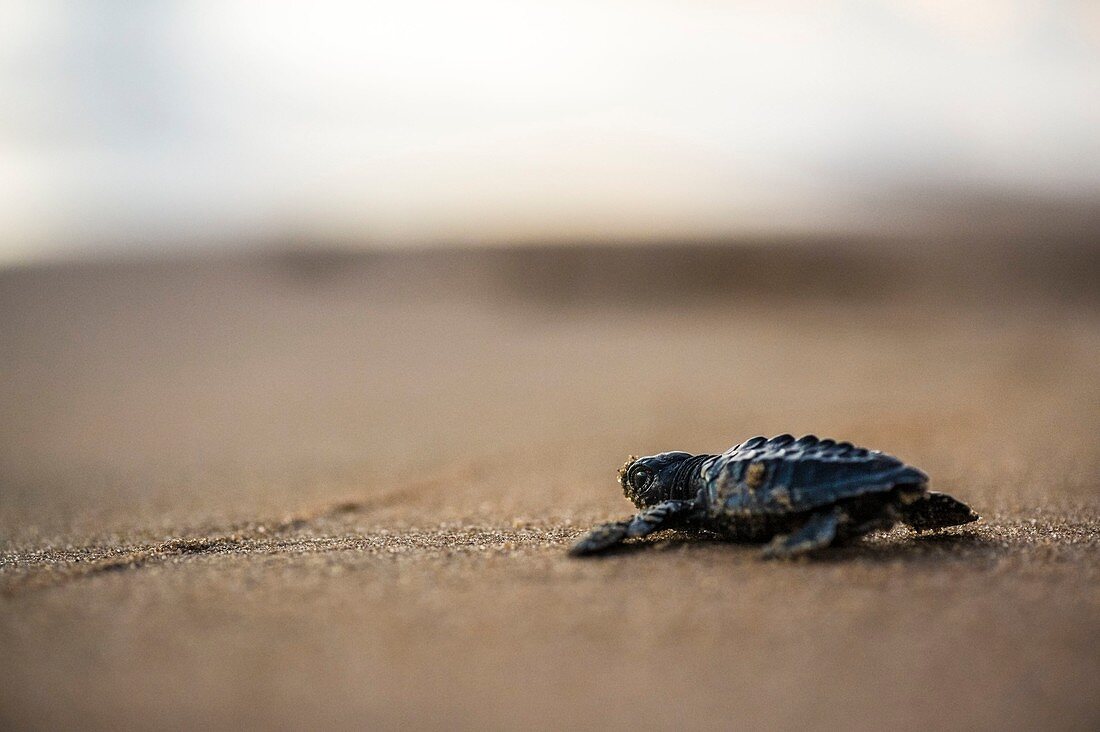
912	547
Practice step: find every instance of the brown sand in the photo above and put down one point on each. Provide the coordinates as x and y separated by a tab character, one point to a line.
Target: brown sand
304	491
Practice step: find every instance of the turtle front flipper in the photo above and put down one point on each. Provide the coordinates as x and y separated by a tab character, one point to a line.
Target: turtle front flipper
936	511
602	537
817	533
664	515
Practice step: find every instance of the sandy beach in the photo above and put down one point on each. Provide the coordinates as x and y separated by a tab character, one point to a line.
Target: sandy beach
336	490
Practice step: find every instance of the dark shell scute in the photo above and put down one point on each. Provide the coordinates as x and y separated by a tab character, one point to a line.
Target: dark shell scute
783	475
780	441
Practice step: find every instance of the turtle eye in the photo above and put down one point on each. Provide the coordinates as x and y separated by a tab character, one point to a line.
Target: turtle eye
642	478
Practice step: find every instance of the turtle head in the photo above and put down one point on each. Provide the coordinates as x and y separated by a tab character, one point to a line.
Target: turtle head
649	480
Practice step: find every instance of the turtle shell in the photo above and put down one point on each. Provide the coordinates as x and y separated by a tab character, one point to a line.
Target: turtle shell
783	475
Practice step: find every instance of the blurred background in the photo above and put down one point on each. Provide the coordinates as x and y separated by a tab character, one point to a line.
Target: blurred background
230	124
325	326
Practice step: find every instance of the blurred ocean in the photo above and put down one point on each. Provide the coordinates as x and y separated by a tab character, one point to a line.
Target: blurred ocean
186	124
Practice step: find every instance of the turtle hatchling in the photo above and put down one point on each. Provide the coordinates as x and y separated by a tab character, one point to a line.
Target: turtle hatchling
798	495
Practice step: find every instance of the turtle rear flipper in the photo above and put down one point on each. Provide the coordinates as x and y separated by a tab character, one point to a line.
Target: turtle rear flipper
936	511
817	533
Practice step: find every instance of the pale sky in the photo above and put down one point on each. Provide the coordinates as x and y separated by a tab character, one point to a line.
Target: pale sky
132	125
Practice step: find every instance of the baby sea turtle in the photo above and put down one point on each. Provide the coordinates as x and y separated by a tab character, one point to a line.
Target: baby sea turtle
802	495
